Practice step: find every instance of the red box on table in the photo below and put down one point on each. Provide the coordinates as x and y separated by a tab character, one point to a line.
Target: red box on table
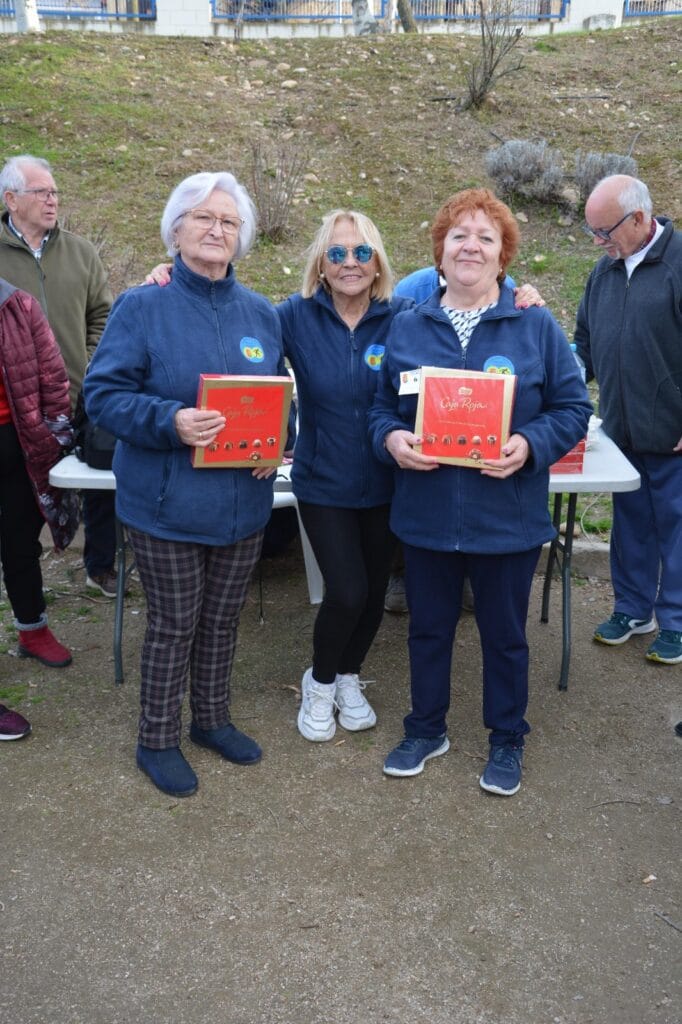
571	462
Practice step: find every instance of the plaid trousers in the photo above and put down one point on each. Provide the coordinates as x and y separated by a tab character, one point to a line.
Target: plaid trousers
195	593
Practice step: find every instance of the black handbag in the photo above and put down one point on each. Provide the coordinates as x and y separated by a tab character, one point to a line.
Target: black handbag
92	445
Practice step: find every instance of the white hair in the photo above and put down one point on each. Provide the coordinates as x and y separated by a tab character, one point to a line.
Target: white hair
634	195
12	178
191	192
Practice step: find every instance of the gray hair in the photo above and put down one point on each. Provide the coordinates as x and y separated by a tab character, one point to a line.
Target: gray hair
634	195
12	177
192	191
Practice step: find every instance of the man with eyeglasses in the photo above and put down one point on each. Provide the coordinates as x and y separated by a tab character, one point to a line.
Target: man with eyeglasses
629	335
63	271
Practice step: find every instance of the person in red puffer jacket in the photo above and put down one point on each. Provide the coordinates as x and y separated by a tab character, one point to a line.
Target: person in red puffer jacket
34	429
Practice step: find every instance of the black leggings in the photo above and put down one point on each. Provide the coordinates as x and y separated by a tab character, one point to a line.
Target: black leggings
20	525
353	547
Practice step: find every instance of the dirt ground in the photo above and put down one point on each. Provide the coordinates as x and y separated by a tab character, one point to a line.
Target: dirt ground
311	889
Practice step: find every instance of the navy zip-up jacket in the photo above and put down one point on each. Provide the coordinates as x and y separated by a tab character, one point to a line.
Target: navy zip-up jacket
146	367
455	508
337	372
629	335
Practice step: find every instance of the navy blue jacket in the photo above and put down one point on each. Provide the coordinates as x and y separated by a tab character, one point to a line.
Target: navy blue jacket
337	372
146	367
454	508
629	335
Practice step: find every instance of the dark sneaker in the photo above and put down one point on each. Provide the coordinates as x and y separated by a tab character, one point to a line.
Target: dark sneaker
104	583
620	627
168	770
502	773
395	600
412	753
227	741
666	648
13	726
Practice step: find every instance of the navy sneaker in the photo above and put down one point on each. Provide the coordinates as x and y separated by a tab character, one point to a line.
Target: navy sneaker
502	773
412	753
620	627
168	770
666	648
227	741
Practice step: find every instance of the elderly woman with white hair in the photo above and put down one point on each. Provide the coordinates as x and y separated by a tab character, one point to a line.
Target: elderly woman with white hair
196	536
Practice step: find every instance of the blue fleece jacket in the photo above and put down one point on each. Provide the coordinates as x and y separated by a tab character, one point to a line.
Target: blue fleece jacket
337	371
156	343
458	509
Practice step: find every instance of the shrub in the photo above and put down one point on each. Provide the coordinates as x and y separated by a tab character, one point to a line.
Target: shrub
592	167
531	169
276	173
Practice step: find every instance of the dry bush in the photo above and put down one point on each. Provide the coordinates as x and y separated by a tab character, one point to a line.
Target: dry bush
592	167
276	174
120	266
531	169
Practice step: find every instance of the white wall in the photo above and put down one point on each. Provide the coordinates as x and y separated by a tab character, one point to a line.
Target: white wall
193	18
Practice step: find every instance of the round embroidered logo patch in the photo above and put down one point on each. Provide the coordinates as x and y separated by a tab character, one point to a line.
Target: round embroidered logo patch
373	356
252	350
498	364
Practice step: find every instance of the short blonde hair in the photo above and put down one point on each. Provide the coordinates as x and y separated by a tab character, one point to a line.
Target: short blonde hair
382	285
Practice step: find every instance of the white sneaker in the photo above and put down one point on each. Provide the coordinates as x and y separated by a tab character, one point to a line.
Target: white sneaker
316	716
355	711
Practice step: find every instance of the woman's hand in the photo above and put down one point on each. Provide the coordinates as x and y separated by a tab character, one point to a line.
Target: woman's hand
264	472
524	296
198	427
515	455
400	444
161	274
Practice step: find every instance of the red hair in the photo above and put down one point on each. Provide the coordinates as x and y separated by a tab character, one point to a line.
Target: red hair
471	201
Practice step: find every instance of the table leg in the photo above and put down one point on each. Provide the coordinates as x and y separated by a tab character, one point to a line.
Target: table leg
120	600
560	554
566	592
552	558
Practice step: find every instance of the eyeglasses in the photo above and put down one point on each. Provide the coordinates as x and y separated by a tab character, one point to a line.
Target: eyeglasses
603	233
205	221
337	253
43	194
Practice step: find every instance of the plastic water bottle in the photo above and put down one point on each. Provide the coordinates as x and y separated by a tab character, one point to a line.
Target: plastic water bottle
581	365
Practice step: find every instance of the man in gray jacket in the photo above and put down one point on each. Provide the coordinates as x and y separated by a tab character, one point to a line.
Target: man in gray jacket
629	335
63	271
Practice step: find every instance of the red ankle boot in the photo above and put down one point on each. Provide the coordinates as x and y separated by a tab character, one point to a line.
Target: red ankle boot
41	644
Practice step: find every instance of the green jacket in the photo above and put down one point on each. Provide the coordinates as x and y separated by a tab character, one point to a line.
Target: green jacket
70	284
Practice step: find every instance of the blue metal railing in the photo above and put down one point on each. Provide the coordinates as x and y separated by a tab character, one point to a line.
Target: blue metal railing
468	10
341	10
283	10
116	10
647	8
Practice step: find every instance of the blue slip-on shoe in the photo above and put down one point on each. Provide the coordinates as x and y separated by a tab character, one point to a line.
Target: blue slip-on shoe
227	741
168	770
620	627
412	753
666	648
502	773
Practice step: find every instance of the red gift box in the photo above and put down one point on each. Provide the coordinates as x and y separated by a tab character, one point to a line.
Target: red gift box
571	462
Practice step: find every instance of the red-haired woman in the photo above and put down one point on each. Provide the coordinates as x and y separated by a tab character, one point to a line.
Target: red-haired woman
487	523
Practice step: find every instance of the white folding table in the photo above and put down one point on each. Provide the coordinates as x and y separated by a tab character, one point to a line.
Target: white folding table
605	469
70	472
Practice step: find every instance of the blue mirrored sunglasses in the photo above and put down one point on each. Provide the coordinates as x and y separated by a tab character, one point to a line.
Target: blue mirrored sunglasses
337	253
